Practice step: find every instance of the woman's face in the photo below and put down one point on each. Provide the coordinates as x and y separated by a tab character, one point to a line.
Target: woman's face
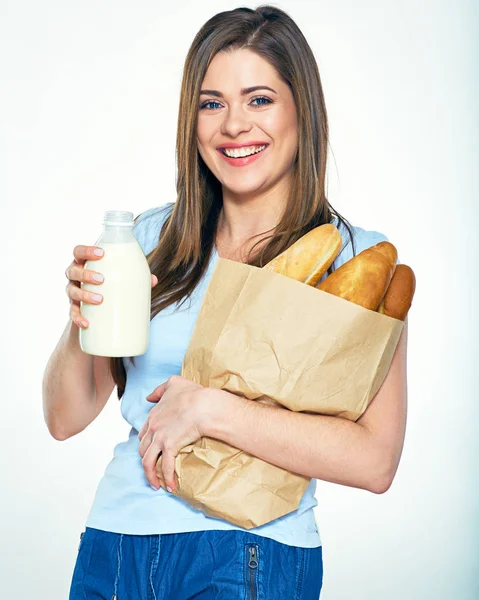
257	127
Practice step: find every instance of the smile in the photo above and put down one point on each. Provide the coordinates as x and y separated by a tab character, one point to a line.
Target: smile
241	152
240	157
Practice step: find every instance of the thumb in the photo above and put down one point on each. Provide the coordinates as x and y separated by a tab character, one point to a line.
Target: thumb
157	393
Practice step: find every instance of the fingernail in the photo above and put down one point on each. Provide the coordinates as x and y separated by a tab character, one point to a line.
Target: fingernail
98	252
97	277
96	297
153	487
168	488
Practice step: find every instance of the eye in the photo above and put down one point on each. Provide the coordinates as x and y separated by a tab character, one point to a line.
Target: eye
262	100
208	106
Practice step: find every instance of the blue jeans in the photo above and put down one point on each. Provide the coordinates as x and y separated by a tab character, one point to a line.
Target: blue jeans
204	565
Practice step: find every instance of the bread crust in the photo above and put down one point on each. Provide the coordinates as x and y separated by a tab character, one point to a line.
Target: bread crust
371	279
364	278
388	250
308	259
398	297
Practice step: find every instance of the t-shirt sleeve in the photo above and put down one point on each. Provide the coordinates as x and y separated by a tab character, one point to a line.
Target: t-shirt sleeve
148	225
363	239
371	238
366	239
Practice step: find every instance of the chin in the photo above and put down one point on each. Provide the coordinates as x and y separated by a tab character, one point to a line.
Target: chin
245	186
244	192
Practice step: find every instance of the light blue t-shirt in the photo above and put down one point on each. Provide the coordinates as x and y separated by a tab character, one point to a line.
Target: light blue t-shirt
124	501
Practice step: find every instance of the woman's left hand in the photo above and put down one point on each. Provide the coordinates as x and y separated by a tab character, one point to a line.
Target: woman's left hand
178	419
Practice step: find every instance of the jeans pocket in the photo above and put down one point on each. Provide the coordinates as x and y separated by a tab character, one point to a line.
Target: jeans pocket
76	585
81	540
251	564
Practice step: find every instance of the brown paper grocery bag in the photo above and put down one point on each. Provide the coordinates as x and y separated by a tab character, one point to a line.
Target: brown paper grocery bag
270	338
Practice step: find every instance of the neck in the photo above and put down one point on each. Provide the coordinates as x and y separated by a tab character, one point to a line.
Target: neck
244	216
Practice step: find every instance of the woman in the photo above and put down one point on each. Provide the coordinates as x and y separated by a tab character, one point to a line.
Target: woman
251	146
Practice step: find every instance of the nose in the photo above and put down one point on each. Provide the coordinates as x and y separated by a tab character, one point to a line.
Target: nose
235	121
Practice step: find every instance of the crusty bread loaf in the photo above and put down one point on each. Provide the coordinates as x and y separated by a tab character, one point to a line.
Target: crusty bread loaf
398	297
388	250
364	278
309	257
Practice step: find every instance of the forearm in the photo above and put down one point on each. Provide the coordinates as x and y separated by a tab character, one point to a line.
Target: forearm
68	386
328	448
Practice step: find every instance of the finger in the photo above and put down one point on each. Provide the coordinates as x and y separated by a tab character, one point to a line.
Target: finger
154	280
77	273
143	430
81	295
149	464
76	316
152	399
168	460
159	472
83	253
145	443
157	393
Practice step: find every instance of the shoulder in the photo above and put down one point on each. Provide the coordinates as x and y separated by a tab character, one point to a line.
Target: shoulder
148	225
363	238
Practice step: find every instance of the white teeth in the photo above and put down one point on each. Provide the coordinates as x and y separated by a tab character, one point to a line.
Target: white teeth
241	152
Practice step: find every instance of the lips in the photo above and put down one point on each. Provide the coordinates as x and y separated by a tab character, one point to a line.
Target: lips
243	160
242	145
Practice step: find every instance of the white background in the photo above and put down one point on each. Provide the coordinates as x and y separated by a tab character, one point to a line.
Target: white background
88	111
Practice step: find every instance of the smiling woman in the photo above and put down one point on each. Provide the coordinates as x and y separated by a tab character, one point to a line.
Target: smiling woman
252	143
245	127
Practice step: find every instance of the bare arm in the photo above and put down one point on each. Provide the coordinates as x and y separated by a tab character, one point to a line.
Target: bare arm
363	454
76	386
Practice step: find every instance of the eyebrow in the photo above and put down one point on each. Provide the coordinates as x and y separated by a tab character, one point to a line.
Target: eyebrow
244	91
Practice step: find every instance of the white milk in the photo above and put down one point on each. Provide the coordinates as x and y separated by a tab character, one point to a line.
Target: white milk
119	325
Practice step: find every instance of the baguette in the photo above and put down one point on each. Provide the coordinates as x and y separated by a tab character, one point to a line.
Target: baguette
364	278
398	297
388	250
309	257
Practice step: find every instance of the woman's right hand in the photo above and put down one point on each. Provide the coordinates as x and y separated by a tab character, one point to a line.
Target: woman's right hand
76	274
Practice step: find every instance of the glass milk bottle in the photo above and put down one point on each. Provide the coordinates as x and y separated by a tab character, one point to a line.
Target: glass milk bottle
120	324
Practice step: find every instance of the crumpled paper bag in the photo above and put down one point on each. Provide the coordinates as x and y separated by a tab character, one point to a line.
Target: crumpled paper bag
273	339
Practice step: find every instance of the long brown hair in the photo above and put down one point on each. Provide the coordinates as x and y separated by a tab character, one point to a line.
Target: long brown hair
187	236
